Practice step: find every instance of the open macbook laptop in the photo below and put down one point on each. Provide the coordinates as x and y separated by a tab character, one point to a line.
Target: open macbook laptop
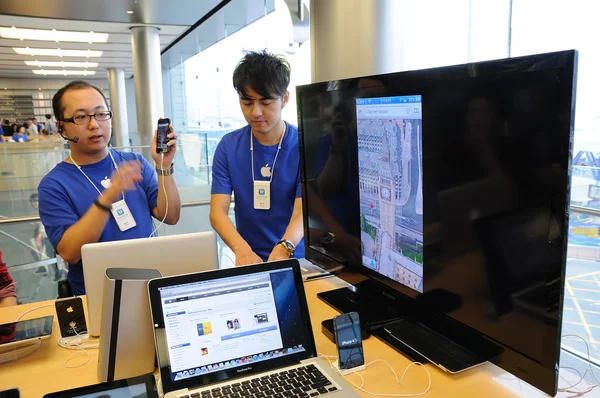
236	332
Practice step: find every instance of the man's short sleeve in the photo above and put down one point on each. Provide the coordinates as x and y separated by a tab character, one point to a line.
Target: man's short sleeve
56	211
221	179
149	182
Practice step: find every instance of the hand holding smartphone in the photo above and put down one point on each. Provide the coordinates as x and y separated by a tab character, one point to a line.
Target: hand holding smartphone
162	132
348	341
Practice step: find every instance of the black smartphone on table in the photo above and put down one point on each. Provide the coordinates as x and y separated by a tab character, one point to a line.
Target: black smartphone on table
71	317
162	131
348	340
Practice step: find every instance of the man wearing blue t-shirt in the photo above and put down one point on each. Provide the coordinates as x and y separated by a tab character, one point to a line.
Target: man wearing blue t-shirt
98	194
259	163
20	135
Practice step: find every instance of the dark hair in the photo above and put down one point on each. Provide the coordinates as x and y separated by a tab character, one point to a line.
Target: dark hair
34	197
265	73
57	105
48	116
6	121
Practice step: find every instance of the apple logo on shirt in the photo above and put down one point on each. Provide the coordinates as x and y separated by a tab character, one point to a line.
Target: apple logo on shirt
106	183
265	171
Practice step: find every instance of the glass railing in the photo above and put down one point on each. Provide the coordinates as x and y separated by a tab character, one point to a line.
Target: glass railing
24	164
26	250
585	186
581	309
33	264
581	314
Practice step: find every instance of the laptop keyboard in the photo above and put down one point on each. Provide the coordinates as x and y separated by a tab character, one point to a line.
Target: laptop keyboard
301	382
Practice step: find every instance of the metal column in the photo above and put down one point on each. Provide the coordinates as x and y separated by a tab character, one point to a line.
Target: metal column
355	38
148	82
118	104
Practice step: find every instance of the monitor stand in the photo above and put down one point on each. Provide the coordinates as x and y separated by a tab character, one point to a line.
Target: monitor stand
401	330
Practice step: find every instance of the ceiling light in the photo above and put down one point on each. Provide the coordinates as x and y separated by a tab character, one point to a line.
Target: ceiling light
40	89
62	64
56	52
53	35
64	72
130	12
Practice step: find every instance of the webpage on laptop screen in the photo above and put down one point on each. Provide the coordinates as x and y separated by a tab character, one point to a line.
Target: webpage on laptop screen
228	322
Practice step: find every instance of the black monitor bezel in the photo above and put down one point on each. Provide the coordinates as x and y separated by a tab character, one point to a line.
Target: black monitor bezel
257	367
526	368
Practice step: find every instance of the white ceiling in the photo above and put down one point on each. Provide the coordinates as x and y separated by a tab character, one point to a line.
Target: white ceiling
109	16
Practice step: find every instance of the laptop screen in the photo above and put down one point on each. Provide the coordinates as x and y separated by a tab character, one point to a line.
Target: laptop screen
231	323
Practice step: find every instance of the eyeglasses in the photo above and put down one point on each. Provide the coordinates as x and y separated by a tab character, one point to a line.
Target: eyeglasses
85	119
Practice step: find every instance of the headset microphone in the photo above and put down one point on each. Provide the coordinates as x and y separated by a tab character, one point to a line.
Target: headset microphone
74	140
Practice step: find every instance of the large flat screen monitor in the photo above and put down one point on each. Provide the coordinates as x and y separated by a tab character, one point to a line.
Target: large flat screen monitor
448	188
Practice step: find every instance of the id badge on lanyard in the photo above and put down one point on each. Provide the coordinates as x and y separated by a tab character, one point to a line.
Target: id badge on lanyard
262	189
262	195
122	215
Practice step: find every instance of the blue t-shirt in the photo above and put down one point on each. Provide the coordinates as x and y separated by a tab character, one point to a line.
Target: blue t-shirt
65	195
232	171
20	138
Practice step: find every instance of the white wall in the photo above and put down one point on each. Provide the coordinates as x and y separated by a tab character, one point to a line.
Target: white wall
131	112
352	38
166	81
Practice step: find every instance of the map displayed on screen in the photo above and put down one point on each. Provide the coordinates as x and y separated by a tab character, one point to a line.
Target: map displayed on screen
390	181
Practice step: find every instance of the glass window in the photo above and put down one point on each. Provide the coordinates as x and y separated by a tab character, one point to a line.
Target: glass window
541	26
203	99
212	103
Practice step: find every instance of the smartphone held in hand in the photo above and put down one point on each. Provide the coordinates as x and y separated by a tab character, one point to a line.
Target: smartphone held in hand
162	132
